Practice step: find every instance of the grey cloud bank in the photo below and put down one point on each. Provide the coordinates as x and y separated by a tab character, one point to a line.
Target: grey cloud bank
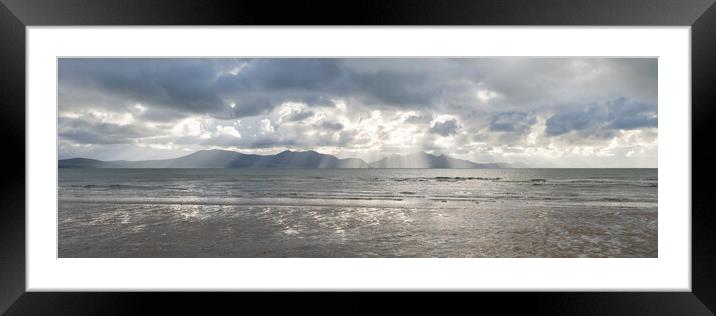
547	112
620	114
446	128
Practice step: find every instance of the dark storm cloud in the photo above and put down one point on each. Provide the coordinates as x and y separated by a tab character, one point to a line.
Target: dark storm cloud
566	122
598	120
285	74
334	126
205	86
181	84
316	100
412	90
255	86
273	81
87	132
445	128
628	115
518	122
247	107
316	81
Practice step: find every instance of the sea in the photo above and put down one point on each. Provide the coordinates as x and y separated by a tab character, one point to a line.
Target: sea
352	213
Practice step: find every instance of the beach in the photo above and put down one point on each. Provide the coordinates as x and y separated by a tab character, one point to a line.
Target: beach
344	213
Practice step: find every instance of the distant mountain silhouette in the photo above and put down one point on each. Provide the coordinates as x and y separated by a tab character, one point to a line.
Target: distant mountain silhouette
81	163
425	160
226	159
216	158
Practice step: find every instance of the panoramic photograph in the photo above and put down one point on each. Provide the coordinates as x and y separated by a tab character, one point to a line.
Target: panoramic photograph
470	157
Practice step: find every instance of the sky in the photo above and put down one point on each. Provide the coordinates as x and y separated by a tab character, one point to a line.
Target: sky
543	112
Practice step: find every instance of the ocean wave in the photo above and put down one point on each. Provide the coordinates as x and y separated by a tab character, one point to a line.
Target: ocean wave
117	186
441	179
229	202
530	181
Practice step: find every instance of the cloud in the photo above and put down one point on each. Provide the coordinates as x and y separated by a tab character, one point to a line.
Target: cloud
445	128
272	74
255	86
253	143
182	84
299	116
517	122
600	120
419	119
566	122
493	108
334	126
85	131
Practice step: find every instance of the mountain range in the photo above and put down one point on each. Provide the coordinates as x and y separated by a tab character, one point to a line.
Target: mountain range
425	160
216	158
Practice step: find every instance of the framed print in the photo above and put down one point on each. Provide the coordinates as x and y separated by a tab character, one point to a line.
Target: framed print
488	147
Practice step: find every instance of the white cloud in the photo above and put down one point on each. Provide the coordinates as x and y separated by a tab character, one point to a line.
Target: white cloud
228	130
